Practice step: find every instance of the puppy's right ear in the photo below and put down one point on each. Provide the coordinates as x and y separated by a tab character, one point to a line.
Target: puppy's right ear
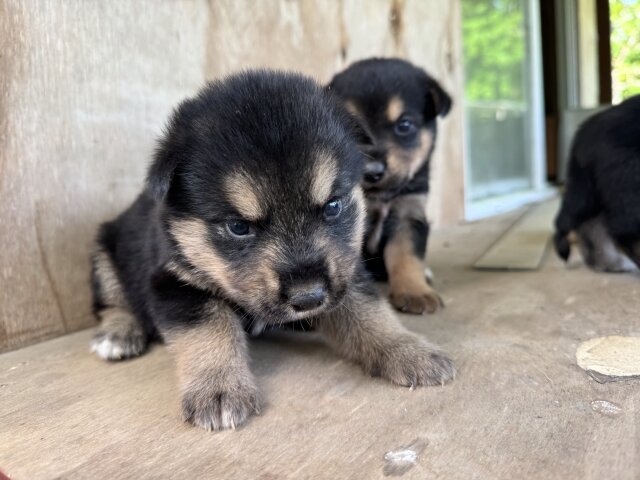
359	131
170	152
161	173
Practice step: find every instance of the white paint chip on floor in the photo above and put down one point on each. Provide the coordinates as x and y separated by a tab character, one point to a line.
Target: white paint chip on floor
610	358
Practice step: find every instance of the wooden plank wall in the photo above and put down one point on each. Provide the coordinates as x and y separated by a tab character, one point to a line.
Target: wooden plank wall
86	85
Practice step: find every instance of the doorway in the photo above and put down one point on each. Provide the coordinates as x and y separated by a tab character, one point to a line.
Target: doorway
503	103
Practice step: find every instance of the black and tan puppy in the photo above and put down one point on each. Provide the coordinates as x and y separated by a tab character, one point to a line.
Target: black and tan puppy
252	216
398	104
601	203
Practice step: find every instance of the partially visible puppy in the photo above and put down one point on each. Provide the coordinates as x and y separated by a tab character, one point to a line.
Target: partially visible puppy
398	104
601	203
252	216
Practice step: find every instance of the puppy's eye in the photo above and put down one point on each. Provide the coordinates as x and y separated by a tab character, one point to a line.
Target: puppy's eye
332	209
238	228
405	127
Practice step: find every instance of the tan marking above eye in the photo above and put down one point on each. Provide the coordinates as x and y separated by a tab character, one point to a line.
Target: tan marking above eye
353	109
420	155
395	108
244	196
324	173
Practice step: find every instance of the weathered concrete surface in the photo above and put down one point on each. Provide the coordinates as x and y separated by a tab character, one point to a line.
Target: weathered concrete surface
520	407
86	85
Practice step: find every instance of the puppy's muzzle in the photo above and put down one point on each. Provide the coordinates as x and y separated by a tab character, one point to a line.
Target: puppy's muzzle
306	297
375	165
374	171
306	288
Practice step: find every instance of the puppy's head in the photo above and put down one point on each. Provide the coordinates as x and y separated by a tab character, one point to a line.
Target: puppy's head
397	104
258	177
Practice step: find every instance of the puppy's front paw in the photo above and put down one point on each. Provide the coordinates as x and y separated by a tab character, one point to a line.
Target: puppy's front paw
410	362
119	337
415	298
220	403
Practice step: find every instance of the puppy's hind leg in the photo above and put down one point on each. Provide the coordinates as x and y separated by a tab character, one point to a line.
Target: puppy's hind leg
120	334
598	249
364	329
631	246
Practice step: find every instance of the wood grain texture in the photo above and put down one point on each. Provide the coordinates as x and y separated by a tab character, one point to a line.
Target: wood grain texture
86	86
520	407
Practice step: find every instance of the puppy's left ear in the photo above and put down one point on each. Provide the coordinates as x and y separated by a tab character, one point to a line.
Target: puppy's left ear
438	101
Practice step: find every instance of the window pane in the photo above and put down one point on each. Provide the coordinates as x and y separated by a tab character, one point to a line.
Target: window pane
497	105
625	48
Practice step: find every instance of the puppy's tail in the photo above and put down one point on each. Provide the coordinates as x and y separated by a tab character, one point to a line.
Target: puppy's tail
579	203
562	244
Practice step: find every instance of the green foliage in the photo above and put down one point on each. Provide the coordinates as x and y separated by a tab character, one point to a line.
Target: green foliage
625	48
494	49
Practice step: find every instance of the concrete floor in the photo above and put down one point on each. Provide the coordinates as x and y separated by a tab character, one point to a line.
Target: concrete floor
520	407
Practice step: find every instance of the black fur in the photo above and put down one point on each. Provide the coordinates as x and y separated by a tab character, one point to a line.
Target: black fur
237	229
603	178
368	88
371	84
265	123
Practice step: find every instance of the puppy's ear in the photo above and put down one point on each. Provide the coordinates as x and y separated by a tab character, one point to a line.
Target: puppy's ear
359	131
356	126
161	173
438	101
170	152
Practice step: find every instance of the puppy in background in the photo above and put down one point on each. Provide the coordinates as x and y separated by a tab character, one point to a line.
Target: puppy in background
398	104
252	216
601	203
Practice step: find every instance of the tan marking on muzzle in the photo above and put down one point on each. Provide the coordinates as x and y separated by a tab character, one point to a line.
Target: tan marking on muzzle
404	163
395	108
242	194
323	243
266	281
421	153
192	237
325	170
359	224
340	264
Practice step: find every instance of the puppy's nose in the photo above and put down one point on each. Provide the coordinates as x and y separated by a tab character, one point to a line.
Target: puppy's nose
303	299
373	171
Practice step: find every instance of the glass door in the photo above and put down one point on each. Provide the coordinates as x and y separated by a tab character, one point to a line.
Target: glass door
503	105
